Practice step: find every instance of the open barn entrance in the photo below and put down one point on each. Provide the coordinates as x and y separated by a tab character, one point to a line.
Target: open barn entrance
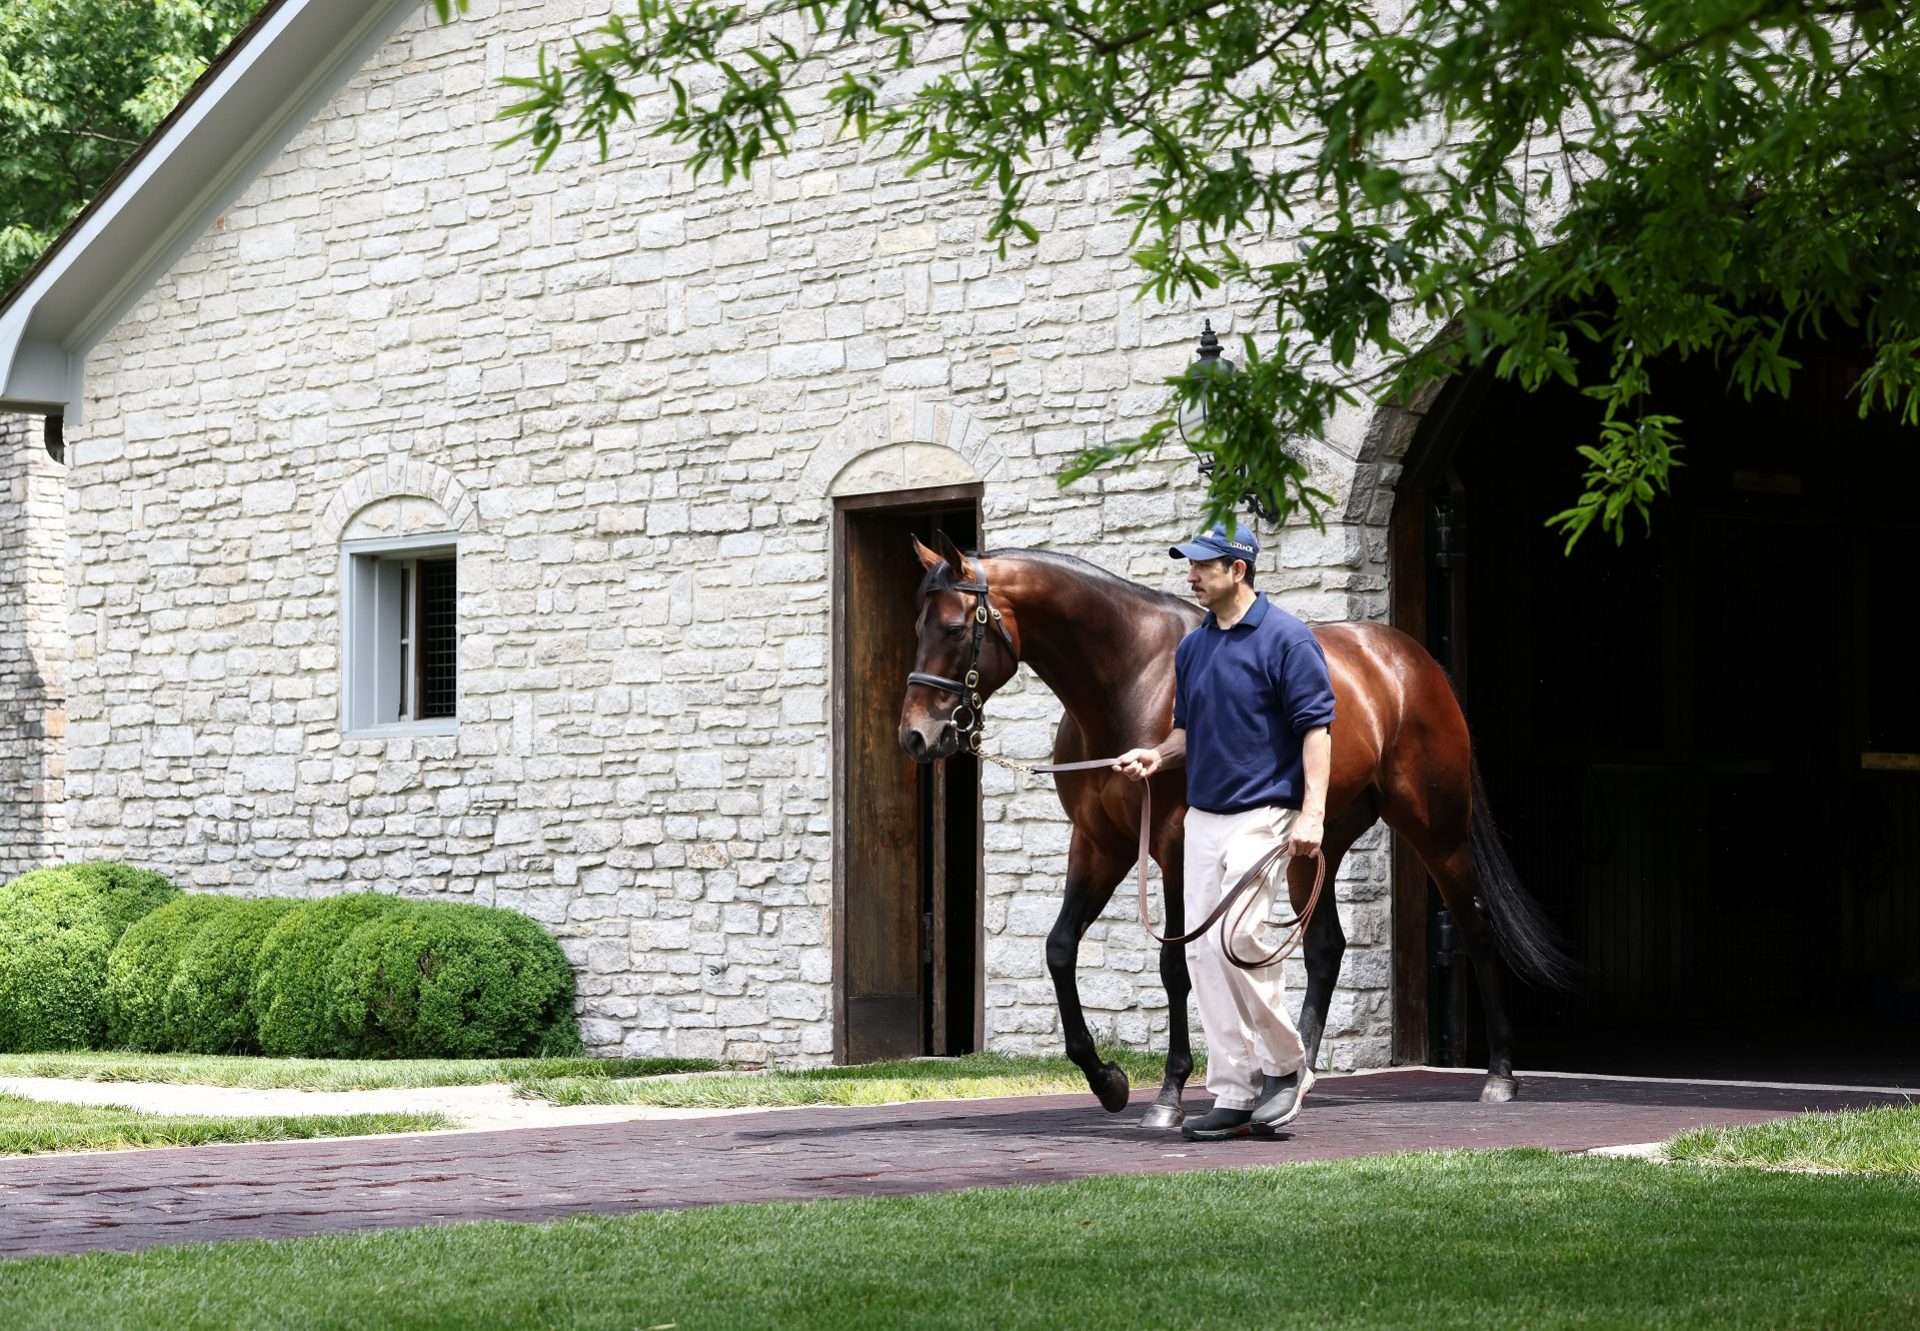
907	900
1703	746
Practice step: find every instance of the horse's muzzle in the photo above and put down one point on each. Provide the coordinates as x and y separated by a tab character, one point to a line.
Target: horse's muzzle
944	744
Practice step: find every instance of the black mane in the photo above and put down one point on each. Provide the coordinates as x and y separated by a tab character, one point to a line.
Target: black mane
939	578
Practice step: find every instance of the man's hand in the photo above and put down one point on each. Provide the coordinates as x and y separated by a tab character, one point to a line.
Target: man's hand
1138	764
1309	830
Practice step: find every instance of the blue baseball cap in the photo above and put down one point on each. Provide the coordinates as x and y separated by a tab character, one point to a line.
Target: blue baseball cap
1214	543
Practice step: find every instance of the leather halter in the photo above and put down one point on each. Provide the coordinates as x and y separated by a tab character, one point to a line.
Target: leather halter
967	688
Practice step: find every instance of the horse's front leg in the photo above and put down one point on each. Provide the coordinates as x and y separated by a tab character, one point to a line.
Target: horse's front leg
1166	1110
1091	878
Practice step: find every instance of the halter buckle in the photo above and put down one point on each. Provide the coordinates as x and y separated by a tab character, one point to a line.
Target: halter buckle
973	679
979	614
973	742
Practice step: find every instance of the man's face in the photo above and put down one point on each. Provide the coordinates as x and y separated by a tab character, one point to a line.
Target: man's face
1213	581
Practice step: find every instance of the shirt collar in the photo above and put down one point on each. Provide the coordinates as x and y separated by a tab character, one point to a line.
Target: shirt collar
1251	620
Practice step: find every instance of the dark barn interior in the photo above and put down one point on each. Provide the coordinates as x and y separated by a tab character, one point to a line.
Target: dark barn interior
1703	746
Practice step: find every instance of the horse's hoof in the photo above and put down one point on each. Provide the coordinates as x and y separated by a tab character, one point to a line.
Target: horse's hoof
1111	1086
1163	1116
1499	1090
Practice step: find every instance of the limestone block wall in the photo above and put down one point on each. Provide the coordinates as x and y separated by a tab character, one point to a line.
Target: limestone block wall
632	396
33	651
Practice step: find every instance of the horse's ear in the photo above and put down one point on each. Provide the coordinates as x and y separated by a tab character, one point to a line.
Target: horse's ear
928	559
962	570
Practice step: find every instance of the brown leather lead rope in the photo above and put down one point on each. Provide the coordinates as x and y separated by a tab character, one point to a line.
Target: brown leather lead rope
1297	927
1260	869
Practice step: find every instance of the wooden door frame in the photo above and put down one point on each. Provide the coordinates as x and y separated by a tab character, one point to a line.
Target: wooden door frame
954	496
1407	557
1424	469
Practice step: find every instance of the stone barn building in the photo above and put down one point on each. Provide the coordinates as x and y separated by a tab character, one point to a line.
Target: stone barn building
426	524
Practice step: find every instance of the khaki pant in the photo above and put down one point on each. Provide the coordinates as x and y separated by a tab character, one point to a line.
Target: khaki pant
1242	1012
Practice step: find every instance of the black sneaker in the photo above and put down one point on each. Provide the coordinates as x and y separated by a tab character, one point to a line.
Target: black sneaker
1219	1124
1280	1098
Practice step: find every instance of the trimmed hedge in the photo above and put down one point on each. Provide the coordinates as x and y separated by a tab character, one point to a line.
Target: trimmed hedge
208	1008
58	927
143	965
291	1001
449	980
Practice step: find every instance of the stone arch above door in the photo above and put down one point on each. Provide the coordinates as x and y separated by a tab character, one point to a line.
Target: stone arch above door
1389	431
901	445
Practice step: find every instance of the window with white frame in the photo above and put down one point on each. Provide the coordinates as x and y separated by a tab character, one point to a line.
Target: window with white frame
401	634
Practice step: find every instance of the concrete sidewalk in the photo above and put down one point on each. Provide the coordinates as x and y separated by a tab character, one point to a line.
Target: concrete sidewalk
485	1107
140	1199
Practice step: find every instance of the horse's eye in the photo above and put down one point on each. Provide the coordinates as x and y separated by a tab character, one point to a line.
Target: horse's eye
956	630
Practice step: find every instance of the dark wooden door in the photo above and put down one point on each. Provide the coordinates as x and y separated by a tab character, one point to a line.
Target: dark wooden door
908	899
886	854
1431	976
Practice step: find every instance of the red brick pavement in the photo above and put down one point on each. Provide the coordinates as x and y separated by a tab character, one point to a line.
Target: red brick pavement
141	1199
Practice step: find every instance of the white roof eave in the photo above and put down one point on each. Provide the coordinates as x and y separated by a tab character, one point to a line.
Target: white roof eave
193	169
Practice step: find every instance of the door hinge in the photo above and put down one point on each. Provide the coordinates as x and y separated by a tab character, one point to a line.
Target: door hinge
1449	533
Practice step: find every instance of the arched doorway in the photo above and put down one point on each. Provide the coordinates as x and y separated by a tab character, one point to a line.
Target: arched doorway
1703	746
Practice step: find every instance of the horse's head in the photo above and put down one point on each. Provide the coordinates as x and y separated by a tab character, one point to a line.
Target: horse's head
966	651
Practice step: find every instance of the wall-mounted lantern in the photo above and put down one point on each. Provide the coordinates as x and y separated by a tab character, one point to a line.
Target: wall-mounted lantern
1191	420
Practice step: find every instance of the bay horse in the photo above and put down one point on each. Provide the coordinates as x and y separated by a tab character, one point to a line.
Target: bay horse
1104	645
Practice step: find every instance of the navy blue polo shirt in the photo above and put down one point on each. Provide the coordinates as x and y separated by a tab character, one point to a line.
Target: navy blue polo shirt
1245	696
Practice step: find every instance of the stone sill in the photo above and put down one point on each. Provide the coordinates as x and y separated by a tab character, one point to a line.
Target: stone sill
406	729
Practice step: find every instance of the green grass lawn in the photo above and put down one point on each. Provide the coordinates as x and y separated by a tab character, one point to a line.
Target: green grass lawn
35	1127
972	1076
329	1074
1480	1241
1869	1141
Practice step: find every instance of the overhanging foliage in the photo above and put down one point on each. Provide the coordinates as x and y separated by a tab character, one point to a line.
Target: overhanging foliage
1556	189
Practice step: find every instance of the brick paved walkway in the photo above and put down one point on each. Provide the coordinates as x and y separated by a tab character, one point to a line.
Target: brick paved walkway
140	1199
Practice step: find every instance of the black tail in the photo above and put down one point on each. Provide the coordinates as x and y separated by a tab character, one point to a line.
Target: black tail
1520	931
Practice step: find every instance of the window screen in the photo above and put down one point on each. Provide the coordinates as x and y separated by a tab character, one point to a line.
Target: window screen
434	657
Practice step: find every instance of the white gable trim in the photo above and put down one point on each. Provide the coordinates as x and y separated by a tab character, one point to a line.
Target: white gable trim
258	98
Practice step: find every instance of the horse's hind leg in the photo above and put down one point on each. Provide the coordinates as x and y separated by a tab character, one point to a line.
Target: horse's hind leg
1091	878
1166	1111
1326	942
1453	875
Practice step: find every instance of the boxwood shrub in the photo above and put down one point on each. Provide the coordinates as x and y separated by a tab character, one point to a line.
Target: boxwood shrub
208	1008
293	1015
58	926
449	980
142	967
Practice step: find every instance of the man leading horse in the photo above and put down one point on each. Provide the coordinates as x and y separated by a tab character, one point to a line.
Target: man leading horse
1252	711
1106	647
